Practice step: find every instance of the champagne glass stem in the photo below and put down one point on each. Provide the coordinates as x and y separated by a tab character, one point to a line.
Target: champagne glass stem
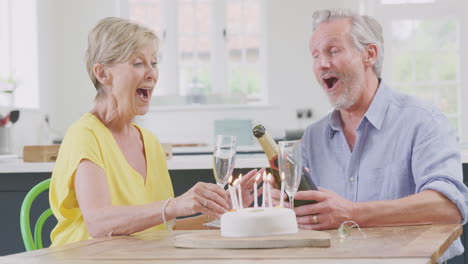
291	201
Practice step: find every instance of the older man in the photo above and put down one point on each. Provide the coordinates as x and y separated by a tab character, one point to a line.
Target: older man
381	158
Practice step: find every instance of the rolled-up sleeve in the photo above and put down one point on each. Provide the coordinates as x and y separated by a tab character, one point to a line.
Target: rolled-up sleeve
436	162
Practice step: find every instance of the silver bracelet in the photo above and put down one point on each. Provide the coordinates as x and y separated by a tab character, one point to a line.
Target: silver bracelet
168	224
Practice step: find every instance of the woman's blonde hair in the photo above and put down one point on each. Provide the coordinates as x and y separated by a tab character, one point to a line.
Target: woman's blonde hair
114	40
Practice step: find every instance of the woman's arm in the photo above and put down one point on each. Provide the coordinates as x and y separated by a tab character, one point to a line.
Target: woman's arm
104	219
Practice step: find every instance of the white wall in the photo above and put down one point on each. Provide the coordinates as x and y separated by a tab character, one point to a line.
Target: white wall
66	91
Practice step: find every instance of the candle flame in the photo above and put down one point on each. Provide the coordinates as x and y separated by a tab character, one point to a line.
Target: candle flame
240	178
230	179
235	182
282	176
269	177
258	177
264	176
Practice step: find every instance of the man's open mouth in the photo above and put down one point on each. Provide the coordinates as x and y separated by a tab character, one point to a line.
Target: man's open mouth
330	81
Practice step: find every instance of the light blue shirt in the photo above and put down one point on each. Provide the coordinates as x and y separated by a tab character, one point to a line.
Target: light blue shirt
403	146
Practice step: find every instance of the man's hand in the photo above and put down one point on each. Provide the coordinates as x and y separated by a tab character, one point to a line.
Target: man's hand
328	213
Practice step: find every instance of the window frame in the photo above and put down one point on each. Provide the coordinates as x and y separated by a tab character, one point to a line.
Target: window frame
170	76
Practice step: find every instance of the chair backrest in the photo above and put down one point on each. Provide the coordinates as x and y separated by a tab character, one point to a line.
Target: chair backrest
31	243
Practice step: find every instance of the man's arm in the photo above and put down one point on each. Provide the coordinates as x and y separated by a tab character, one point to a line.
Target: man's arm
426	207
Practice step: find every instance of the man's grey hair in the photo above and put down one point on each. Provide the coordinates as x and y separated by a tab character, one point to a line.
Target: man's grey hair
365	30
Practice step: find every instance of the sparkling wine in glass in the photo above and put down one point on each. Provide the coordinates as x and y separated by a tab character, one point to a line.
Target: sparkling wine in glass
290	164
224	157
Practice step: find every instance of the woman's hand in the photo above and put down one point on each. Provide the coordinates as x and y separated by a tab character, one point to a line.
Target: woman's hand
203	197
247	186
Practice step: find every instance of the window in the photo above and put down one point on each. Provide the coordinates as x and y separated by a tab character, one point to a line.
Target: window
18	53
210	50
425	62
6	79
422	52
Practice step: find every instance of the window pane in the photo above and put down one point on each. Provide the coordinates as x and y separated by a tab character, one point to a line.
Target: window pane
253	55
187	17
195	26
456	123
236	80
195	17
404	89
234	16
243	44
235	56
447	35
424	92
402	68
148	13
448	66
253	80
447	99
425	61
252	18
424	67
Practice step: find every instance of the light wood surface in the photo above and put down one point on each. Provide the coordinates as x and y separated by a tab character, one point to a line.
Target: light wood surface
213	239
45	153
406	244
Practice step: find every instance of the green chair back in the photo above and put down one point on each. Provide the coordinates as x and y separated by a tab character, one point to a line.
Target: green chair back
31	243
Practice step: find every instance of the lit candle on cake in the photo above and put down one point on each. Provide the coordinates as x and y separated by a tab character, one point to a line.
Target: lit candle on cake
231	193
270	201
282	190
255	190
264	190
239	189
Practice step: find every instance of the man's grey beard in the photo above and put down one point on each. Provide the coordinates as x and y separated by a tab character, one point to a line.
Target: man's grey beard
347	99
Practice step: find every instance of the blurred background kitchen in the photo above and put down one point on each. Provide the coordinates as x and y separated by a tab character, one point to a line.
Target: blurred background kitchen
225	65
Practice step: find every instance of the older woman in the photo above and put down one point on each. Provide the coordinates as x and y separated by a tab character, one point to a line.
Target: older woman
110	177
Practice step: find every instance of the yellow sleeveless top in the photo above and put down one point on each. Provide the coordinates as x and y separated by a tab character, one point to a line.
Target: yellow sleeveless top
89	139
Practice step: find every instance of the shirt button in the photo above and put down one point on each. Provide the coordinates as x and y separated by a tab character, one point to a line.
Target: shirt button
351	179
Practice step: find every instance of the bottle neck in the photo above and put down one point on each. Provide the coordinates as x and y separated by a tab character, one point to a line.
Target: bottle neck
269	146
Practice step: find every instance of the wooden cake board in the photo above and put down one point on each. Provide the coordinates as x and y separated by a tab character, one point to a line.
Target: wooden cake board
213	239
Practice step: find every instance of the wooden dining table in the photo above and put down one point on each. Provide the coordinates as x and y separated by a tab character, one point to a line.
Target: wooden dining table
404	244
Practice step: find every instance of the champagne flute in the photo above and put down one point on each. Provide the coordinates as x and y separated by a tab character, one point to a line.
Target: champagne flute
290	164
224	157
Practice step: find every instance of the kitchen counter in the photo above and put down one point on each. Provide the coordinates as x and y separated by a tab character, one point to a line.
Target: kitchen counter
177	162
182	160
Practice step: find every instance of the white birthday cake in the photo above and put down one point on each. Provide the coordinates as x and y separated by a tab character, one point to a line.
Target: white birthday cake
253	222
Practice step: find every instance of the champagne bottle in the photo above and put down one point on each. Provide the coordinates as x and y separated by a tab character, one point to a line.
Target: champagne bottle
271	150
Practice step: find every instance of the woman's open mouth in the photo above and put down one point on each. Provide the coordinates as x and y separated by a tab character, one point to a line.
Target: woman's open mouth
144	94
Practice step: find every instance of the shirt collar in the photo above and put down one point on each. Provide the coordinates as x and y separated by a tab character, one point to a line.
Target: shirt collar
375	114
335	122
379	105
